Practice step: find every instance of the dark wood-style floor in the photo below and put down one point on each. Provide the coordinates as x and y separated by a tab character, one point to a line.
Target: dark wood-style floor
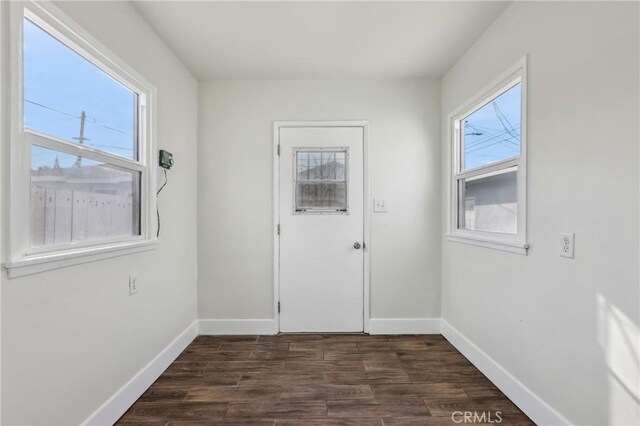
331	379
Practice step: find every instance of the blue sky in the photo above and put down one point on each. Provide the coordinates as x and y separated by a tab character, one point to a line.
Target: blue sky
492	133
58	85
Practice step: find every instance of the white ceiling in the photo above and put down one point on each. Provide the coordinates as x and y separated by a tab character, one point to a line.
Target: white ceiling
319	40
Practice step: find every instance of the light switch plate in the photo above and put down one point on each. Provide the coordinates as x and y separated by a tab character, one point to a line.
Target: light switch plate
567	245
379	205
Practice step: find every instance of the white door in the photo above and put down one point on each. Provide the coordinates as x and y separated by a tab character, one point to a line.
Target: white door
321	220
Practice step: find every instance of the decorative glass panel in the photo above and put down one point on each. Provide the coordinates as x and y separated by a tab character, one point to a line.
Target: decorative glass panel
489	202
321	180
492	132
69	98
75	199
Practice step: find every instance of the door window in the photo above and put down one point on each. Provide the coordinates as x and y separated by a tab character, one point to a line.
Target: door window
321	182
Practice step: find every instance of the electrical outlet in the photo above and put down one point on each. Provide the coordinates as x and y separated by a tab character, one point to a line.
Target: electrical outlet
566	245
133	285
379	205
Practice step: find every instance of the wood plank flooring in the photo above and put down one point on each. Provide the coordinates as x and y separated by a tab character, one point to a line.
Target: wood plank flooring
330	379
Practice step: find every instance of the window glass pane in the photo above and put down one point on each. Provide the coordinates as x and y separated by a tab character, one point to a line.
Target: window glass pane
75	199
489	202
321	196
323	165
492	133
69	98
321	180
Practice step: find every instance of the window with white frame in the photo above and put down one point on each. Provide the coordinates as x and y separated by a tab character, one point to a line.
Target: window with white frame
489	166
80	172
321	182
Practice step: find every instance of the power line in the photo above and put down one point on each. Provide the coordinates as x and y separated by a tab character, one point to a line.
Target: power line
487	146
477	147
486	138
492	132
492	129
504	122
476	132
489	139
124	132
92	120
51	109
83	119
501	117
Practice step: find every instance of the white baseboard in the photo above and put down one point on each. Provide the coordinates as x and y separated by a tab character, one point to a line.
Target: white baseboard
120	402
237	326
534	407
538	410
404	326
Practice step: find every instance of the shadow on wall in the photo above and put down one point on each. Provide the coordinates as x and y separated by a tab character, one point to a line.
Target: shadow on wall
619	338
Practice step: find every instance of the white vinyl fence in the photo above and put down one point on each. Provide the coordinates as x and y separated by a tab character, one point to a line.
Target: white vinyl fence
61	215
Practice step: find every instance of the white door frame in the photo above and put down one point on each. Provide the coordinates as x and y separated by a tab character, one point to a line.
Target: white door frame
367	203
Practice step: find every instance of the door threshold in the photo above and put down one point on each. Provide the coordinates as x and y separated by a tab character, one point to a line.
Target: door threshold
359	333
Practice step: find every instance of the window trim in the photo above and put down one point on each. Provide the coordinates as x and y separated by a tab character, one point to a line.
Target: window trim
515	243
22	258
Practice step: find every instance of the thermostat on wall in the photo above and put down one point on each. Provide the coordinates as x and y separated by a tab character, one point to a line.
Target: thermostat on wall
166	159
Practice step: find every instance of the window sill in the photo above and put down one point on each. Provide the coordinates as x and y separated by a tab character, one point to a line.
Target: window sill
47	262
492	243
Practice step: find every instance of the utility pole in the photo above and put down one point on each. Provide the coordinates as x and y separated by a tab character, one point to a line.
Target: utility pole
81	138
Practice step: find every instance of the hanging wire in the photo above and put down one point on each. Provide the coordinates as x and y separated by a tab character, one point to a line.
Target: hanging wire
166	179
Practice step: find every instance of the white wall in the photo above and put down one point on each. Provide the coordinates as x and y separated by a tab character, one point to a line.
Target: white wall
72	337
4	132
567	329
235	200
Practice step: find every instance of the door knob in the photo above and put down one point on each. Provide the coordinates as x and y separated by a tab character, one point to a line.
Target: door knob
356	246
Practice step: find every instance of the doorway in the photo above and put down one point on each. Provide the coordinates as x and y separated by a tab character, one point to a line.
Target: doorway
321	240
